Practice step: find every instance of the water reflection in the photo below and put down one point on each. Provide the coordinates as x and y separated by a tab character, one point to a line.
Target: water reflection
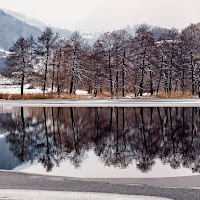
118	136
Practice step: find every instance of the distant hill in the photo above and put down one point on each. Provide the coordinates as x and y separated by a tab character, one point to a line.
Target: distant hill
11	29
157	31
30	21
13	25
37	23
3	55
65	33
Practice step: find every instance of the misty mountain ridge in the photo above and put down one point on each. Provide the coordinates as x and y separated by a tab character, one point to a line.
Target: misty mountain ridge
65	33
11	29
14	25
90	37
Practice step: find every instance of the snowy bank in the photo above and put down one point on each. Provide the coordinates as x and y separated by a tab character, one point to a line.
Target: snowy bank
52	195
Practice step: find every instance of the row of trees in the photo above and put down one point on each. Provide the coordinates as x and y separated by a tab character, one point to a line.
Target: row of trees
117	62
119	137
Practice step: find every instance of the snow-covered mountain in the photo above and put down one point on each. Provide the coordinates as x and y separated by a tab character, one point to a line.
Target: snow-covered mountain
11	29
30	21
39	24
13	25
157	31
65	33
3	55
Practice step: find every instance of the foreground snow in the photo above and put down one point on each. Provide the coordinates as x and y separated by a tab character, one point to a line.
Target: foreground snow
81	92
6	87
15	89
52	195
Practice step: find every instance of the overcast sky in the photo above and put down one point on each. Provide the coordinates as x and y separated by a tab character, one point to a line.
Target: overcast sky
103	15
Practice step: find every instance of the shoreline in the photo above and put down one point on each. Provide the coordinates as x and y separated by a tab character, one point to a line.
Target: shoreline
188	182
24	181
144	102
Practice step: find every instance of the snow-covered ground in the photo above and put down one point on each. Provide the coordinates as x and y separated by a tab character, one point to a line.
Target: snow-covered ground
81	92
4	80
52	195
15	89
7	87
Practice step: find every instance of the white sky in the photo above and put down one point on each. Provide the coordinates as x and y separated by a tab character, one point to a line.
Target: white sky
102	15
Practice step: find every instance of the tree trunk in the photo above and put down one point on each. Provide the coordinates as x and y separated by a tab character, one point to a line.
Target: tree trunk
142	79
23	74
73	73
171	68
72	82
123	74
199	83
58	70
95	84
45	75
117	72
150	75
53	75
110	73
176	84
22	84
161	71
183	82
117	82
192	69
136	94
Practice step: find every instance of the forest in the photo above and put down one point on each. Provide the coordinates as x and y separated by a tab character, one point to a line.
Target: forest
117	63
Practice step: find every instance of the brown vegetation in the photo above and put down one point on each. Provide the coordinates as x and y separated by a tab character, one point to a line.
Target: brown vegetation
41	96
102	95
174	94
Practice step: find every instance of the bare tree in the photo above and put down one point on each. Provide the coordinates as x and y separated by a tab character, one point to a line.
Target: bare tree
96	57
190	37
46	43
58	60
74	54
20	60
107	41
172	51
143	45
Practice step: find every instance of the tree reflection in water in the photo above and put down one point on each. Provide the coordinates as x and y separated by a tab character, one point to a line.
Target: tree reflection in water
118	136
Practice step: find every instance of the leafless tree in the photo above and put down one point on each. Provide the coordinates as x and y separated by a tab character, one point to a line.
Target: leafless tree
46	43
20	60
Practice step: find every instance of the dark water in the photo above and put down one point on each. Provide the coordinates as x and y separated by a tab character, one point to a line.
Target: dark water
101	142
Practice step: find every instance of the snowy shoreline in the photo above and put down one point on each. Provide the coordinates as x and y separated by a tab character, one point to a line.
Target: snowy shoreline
171	188
193	102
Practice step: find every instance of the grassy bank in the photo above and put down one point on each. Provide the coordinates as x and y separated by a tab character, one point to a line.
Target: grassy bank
102	95
41	96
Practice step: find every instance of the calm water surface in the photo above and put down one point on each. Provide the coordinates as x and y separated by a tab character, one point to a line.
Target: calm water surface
101	142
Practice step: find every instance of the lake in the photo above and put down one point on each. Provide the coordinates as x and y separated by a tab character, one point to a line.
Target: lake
101	142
